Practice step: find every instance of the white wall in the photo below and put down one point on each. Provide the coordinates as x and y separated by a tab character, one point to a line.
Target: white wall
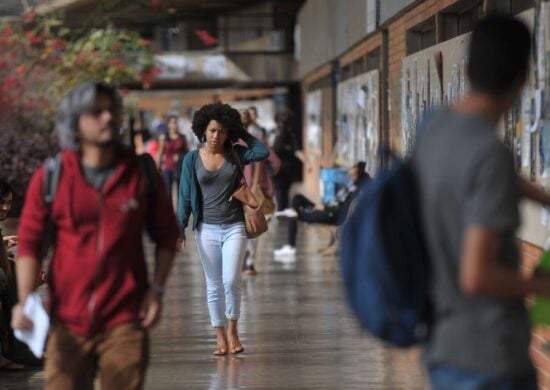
329	27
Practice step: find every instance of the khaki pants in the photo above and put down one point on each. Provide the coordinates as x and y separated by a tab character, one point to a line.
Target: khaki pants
119	355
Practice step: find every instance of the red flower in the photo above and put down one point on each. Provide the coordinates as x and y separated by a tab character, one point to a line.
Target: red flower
156	4
29	17
21	70
116	47
125	91
145	42
29	104
34	39
58	44
7	32
10	81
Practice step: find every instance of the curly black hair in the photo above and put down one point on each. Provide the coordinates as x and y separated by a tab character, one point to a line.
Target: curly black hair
222	113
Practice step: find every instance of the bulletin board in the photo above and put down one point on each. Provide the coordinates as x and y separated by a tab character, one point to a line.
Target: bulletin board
313	126
532	118
436	76
431	78
358	121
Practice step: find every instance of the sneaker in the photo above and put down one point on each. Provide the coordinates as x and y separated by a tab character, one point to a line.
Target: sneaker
250	270
286	213
286	250
287	259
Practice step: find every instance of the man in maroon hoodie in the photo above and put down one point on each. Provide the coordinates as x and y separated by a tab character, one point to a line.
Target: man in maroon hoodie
101	301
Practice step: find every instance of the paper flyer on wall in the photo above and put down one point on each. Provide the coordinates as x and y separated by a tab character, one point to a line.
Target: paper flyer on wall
526	124
545	149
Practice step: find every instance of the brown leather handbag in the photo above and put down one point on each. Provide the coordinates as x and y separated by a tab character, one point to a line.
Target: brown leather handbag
254	218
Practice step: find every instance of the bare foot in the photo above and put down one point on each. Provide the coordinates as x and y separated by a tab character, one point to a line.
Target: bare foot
221	347
235	345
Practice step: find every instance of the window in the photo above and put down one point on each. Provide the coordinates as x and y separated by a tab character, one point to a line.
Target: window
345	73
373	60
459	18
421	36
358	66
323	82
511	7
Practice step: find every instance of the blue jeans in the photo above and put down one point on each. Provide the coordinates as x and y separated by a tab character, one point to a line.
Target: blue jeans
169	178
221	250
450	378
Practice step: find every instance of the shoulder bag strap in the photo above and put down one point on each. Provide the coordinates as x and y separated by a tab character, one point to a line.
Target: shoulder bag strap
240	165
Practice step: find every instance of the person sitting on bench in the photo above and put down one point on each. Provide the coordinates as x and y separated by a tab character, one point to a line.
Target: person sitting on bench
332	213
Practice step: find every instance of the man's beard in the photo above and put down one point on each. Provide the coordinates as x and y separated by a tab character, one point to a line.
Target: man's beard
108	144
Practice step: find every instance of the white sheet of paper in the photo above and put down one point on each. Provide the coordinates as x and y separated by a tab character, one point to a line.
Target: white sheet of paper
538	111
36	337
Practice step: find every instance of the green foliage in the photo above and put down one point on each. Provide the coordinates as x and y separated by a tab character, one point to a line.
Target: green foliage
40	61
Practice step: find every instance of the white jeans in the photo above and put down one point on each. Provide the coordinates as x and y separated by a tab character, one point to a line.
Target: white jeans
221	250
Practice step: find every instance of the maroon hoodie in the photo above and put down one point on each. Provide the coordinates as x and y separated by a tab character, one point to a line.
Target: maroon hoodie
99	276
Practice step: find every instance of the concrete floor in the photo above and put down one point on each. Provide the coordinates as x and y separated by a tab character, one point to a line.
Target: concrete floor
295	326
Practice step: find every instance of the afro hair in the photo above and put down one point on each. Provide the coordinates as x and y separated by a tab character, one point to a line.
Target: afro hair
222	113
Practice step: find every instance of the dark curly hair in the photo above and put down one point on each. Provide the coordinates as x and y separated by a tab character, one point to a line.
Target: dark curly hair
222	113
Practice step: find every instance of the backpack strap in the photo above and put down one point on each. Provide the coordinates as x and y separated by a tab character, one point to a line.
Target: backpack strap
52	173
148	170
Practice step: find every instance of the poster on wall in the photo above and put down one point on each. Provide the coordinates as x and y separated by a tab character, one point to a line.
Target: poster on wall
314	131
358	136
430	78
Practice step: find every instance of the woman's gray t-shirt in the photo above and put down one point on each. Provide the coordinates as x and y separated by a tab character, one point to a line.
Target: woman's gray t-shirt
216	189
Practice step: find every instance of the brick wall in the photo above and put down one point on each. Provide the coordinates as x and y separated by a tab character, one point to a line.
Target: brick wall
540	344
370	43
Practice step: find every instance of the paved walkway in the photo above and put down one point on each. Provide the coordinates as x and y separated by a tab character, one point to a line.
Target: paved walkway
296	329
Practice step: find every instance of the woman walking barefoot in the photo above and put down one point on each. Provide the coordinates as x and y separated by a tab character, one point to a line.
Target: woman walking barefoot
209	177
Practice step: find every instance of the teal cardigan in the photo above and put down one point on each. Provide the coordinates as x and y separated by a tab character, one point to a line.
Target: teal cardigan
189	199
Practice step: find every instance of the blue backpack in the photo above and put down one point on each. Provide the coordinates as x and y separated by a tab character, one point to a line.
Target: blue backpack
384	261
